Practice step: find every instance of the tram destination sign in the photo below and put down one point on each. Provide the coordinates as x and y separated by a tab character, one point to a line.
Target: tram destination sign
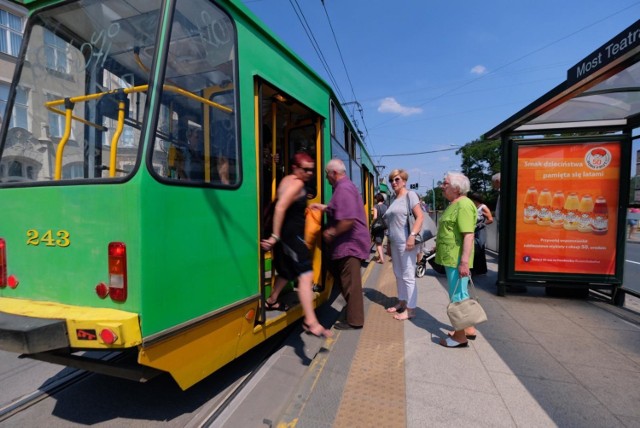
622	44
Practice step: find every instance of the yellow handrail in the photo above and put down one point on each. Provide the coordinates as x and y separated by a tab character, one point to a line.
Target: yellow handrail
49	105
116	136
68	113
65	137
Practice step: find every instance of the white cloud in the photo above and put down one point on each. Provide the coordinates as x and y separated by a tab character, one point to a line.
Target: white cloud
390	105
479	70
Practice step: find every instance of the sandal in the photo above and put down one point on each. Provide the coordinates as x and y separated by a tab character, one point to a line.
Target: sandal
316	329
275	306
469	336
450	343
396	309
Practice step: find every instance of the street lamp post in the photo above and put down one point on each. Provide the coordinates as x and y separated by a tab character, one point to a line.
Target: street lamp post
433	194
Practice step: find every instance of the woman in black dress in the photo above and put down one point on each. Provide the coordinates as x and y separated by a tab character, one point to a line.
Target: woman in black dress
290	254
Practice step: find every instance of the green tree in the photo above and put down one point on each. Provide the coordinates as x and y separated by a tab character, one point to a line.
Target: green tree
480	160
441	203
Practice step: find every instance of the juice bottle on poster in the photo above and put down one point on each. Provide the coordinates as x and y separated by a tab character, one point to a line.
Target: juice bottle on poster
530	202
570	211
557	208
585	212
544	208
600	216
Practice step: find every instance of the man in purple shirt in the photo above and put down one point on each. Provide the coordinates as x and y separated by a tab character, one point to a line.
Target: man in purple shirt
348	235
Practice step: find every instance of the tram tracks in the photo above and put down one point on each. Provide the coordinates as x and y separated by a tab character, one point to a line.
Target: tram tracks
217	405
29	400
216	414
35	397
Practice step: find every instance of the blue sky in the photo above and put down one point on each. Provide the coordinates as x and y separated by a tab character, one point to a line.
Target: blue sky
431	75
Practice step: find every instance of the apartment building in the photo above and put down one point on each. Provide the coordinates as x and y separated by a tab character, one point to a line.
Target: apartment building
12	20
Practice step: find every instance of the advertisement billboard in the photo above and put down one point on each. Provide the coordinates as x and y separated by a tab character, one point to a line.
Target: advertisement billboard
566	210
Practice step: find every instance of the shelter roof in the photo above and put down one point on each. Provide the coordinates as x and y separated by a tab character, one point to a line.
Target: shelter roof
601	92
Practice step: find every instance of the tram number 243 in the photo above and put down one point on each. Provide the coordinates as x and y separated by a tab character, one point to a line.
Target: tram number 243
49	238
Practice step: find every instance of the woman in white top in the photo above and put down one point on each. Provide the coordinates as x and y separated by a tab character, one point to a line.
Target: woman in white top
402	243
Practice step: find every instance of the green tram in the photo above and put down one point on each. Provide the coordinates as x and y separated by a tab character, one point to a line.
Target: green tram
142	141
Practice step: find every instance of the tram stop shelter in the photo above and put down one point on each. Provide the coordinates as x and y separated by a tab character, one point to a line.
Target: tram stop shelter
566	161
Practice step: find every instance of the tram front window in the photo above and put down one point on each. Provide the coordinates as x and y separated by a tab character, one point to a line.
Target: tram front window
84	75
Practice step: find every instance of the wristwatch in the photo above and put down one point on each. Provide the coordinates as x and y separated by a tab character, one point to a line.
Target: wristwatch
413	234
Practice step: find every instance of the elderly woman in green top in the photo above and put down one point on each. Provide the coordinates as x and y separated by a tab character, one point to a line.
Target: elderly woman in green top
454	247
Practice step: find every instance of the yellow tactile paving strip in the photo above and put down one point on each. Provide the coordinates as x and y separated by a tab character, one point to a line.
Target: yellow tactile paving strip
374	394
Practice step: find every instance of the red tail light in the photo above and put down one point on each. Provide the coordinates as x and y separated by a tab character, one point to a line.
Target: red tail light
3	263
118	271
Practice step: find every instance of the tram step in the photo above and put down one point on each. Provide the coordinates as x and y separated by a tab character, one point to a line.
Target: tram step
27	335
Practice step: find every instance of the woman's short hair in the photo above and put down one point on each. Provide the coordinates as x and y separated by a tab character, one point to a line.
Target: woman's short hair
301	157
459	181
379	197
398	172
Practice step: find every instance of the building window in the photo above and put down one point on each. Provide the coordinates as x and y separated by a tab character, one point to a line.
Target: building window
19	116
74	170
15	169
10	33
4	96
56	120
55	52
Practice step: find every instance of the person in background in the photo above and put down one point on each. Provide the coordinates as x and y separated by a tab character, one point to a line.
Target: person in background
222	168
348	236
495	183
402	243
378	211
290	253
424	247
483	219
194	162
454	247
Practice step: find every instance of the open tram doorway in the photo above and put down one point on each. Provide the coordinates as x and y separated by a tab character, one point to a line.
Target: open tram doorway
284	127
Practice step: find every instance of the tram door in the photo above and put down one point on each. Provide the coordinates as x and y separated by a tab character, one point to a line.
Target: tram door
285	127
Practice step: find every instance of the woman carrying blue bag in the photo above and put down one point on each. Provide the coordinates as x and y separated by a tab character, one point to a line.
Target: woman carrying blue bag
454	247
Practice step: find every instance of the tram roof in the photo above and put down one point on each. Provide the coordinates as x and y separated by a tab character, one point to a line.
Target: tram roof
601	92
